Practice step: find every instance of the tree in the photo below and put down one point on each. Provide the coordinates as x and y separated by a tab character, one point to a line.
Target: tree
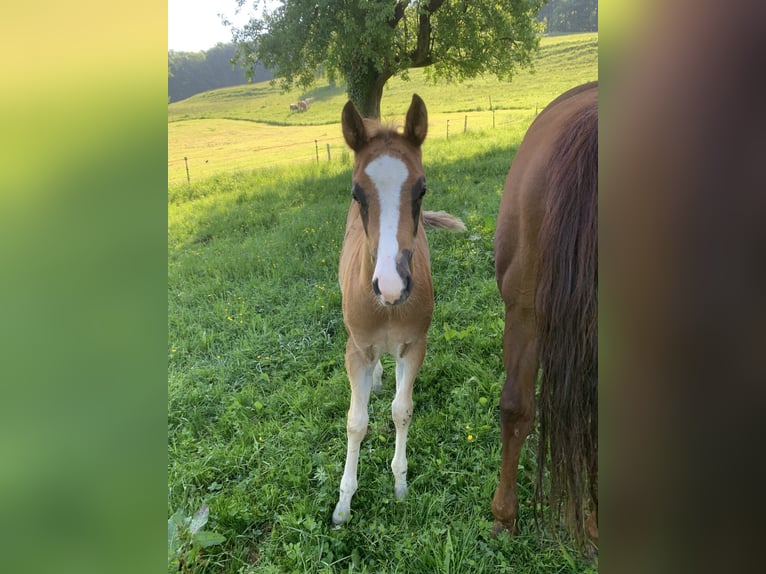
190	73
367	42
569	16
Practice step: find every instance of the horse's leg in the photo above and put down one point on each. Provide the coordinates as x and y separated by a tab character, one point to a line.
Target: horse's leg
407	366
517	409
360	372
377	378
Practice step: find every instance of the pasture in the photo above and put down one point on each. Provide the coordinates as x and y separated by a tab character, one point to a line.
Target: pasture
257	390
239	127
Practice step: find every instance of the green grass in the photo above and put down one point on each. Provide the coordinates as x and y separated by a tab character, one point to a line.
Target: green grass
258	395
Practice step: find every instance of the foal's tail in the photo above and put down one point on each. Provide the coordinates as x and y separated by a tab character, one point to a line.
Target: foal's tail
442	220
567	324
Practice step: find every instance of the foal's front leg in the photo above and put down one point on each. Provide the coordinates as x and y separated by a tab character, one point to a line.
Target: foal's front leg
408	364
360	375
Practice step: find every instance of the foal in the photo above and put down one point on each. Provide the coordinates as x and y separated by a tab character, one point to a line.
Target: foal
385	278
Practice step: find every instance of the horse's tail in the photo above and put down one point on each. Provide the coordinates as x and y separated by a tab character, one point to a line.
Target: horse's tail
567	324
442	220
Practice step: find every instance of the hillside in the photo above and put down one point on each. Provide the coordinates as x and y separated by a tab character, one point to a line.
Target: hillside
250	126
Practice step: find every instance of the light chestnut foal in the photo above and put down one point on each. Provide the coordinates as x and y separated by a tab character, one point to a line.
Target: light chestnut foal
385	278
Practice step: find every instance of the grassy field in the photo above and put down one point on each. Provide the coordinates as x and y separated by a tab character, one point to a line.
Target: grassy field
257	391
237	127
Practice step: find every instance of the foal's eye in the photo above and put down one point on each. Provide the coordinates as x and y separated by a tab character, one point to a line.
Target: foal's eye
418	190
357	194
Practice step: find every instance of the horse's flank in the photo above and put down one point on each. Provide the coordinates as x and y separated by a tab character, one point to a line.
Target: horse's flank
545	261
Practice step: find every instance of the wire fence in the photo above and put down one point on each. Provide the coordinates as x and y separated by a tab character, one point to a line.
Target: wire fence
186	167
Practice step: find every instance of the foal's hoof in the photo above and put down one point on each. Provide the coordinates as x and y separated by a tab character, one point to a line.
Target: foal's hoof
400	491
340	516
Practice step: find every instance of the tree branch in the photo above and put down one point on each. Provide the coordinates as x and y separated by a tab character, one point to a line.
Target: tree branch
421	55
398	14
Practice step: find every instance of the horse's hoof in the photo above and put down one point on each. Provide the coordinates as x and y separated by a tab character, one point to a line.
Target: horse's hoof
400	491
340	516
498	527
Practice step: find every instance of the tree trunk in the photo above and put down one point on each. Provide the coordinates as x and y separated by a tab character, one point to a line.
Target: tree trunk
365	89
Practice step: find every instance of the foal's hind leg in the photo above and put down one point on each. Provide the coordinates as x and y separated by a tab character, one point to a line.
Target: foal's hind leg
377	378
517	407
407	366
360	374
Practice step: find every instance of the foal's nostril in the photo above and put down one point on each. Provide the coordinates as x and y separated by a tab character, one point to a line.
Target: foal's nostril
407	286
375	287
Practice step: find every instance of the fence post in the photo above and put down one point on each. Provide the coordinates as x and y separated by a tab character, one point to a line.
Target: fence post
186	161
328	152
465	124
447	129
316	145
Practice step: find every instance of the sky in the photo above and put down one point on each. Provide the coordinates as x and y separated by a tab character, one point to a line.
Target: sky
194	25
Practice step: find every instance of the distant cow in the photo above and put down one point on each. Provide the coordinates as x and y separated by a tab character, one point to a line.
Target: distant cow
294	107
302	106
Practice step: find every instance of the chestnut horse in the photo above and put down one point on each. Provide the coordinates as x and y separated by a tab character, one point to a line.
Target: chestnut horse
385	278
546	270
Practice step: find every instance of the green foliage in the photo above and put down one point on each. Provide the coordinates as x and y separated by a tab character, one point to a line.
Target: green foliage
186	539
568	16
366	43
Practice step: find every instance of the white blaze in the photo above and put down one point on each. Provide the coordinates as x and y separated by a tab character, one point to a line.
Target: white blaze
388	174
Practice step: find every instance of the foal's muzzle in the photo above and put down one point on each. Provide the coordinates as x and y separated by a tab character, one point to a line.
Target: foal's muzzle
392	300
392	285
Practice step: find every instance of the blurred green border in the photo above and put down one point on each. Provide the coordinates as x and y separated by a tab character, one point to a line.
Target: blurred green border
83	219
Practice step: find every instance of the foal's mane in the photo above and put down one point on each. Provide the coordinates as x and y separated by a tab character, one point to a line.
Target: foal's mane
377	130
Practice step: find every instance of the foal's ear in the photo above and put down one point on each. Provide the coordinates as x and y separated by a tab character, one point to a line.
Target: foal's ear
353	127
416	125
